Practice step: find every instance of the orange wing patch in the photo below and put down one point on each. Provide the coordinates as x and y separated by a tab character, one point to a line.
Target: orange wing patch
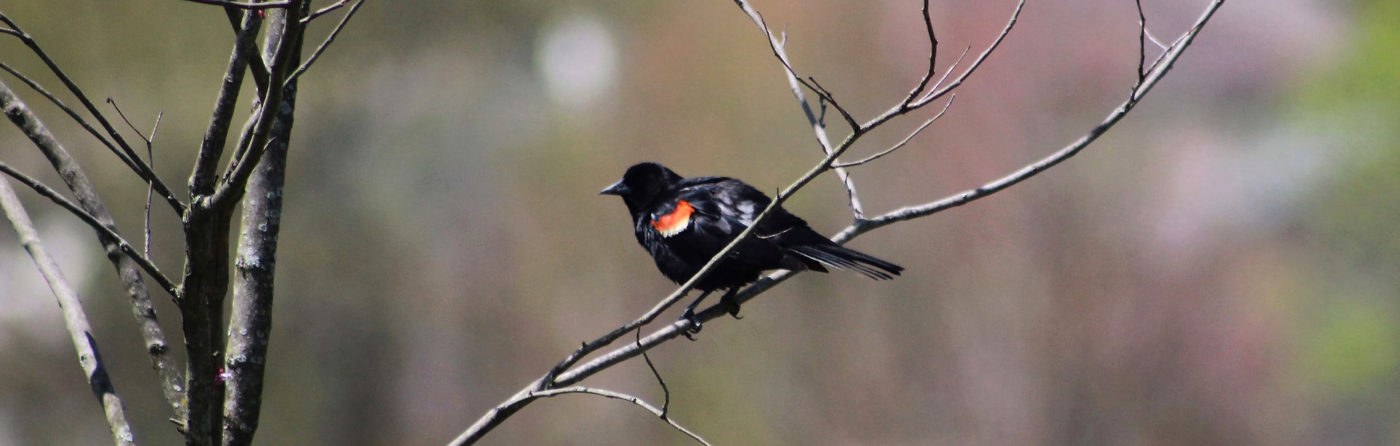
674	222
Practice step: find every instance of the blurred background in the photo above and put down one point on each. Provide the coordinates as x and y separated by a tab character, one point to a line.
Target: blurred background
1222	268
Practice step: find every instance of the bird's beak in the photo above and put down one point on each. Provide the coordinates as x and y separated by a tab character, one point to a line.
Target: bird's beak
615	189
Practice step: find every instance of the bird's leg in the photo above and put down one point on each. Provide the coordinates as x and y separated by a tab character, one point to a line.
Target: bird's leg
689	315
728	300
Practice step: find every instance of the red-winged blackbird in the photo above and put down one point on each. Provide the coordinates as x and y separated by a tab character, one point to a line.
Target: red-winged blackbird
683	222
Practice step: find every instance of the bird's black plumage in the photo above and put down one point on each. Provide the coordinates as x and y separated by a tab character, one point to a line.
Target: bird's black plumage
683	222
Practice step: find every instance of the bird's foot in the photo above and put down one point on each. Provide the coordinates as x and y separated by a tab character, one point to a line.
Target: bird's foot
689	315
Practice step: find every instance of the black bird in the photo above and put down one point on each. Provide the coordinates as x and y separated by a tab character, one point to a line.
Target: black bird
683	222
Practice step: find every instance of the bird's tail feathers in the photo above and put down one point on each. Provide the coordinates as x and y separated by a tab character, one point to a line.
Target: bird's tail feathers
849	259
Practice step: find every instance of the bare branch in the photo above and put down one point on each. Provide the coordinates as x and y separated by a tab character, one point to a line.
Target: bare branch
250	322
150	158
1142	39
330	38
202	177
905	140
73	317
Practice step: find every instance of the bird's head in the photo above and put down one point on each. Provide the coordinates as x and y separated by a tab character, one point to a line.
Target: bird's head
642	183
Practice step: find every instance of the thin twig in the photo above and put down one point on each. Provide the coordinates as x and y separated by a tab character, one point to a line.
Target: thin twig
952	67
73	317
1142	39
620	396
324	11
324	44
151	161
151	158
1154	40
665	391
905	140
932	57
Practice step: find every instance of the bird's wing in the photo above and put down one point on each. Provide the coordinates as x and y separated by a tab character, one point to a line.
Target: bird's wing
727	203
725	207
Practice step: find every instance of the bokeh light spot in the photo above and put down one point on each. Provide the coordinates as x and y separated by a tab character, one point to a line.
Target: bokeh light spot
577	60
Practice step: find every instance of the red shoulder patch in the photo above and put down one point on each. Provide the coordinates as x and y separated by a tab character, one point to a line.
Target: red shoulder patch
674	222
